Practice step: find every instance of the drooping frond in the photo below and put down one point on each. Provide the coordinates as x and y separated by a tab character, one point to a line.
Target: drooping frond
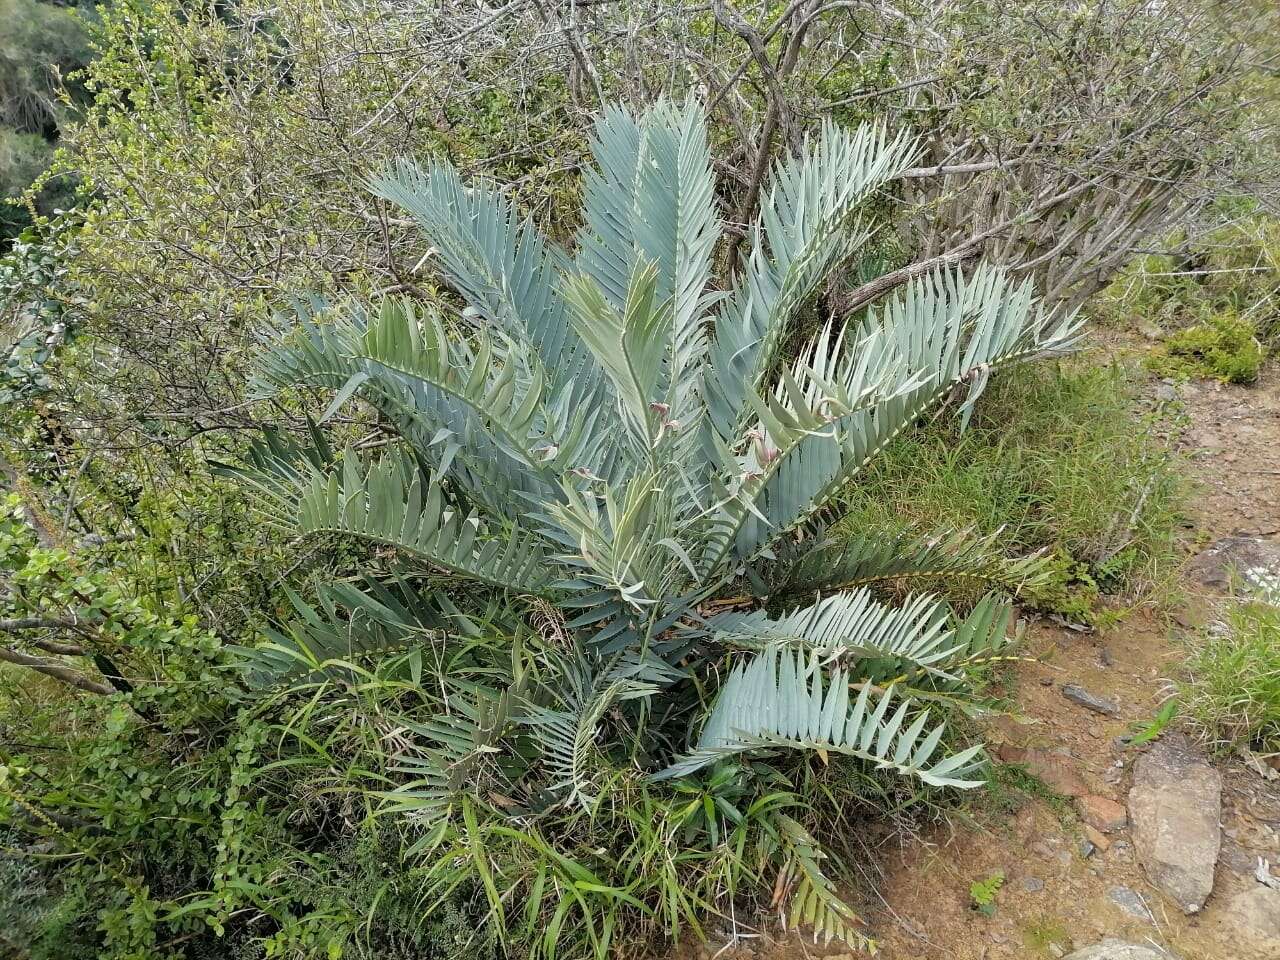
567	731
805	229
855	559
807	897
452	749
777	699
392	504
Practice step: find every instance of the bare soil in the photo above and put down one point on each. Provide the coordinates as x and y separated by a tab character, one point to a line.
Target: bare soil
1055	898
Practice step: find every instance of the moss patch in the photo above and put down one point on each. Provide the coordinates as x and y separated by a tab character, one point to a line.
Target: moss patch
1224	348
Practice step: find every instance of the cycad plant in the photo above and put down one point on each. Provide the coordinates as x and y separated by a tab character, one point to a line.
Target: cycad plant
626	469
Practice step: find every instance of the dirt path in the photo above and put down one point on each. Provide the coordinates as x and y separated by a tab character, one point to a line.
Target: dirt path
1058	895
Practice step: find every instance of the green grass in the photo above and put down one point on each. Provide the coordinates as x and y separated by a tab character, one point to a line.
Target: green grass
1058	457
1228	275
1230	692
1009	788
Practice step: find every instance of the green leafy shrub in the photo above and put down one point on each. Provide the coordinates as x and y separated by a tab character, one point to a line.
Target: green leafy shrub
1215	294
1230	689
1224	348
604	436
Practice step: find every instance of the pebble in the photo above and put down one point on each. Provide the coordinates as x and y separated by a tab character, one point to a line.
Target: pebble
1102	813
1090	701
1129	902
1032	884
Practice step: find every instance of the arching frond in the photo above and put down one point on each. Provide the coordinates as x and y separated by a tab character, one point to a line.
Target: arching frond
497	259
391	503
805	229
631	344
778	699
844	627
948	334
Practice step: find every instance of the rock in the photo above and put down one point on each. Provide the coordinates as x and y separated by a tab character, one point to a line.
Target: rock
1102	813
1128	901
1237	859
1042	850
1078	694
1175	806
1056	951
1087	849
1097	838
1166	394
1054	771
1032	884
1254	913
1113	949
1238	557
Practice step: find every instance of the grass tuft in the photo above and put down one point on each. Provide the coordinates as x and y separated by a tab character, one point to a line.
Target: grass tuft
1230	693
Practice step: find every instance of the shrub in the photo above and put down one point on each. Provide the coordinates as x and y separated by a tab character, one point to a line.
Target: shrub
605	438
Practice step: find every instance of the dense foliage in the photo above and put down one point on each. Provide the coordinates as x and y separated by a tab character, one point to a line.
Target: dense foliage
444	515
43	46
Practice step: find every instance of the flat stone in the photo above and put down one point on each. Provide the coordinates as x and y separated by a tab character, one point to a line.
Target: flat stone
1091	701
1102	814
1056	772
1113	949
1175	807
1241	558
1032	884
1254	913
1129	901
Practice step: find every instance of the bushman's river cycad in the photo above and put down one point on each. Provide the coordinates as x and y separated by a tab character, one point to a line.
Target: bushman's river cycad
610	438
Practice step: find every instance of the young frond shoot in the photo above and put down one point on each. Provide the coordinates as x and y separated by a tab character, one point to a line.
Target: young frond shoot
614	435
